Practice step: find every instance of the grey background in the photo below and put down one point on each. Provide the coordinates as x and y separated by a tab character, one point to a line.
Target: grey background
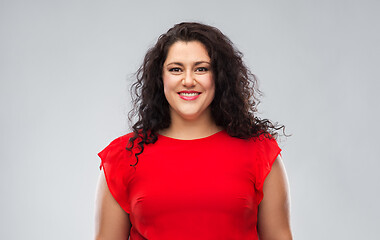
64	96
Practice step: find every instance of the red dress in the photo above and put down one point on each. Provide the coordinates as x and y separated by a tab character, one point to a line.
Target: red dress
207	188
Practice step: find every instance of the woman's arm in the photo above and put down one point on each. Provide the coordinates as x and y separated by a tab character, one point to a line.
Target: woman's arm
273	216
111	221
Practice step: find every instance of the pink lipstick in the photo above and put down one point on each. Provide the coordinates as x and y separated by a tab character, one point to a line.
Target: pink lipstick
189	95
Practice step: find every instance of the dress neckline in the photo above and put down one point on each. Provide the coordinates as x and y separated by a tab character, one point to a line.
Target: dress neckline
195	139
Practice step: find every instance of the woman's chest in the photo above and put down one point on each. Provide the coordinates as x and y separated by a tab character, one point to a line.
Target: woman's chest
171	182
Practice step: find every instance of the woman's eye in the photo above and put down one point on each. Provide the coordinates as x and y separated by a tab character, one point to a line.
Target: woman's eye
202	69
174	70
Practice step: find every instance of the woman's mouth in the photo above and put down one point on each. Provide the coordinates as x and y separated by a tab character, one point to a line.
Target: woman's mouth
189	95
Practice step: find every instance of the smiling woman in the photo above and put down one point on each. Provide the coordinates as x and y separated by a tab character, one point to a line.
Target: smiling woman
188	84
199	163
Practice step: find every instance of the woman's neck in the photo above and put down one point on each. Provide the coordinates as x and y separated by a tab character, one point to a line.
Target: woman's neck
187	129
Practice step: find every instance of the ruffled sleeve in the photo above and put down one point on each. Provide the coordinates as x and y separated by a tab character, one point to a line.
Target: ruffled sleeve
268	150
115	161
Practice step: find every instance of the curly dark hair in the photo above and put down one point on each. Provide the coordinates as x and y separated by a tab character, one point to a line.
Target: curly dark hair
236	93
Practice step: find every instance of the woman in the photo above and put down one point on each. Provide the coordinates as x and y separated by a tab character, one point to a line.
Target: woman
195	164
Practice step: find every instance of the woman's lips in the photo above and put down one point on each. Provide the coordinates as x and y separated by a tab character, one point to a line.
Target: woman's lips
189	95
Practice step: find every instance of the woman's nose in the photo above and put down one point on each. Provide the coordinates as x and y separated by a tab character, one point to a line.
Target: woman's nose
188	80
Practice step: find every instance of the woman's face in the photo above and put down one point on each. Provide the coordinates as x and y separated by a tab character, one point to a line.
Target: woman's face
188	80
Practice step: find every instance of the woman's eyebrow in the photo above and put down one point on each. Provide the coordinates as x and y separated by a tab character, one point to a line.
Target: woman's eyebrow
200	62
175	63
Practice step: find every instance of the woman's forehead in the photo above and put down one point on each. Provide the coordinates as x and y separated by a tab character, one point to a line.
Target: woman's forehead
192	51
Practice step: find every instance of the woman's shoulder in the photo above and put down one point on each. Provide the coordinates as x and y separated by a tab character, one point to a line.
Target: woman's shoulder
116	150
260	139
266	143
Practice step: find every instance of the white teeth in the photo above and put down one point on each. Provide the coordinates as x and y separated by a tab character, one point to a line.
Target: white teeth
188	94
